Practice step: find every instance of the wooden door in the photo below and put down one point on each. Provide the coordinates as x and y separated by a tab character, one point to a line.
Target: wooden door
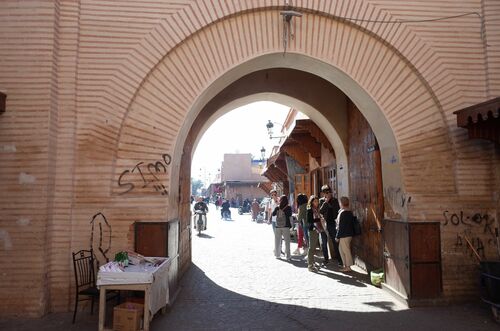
302	185
396	256
365	178
425	259
330	177
316	182
151	238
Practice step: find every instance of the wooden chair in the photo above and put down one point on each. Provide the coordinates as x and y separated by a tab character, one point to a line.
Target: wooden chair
84	264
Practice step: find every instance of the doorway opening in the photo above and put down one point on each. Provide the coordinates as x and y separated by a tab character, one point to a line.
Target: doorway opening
333	145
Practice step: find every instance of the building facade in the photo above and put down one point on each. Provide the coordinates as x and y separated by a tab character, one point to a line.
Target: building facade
105	102
240	178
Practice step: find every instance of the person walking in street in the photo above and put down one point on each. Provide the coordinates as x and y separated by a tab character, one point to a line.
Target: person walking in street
345	232
283	213
302	228
216	203
225	209
273	203
316	229
329	208
255	209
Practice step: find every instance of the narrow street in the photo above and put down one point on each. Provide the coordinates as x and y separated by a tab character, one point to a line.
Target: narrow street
235	283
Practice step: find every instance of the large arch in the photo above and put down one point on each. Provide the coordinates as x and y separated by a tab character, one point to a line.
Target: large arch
383	84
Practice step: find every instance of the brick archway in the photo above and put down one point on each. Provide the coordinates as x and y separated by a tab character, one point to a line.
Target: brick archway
383	84
372	74
377	84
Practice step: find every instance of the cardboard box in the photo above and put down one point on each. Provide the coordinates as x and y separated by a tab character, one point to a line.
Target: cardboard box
128	316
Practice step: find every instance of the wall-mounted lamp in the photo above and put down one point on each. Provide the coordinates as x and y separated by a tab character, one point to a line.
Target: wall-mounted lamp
270	127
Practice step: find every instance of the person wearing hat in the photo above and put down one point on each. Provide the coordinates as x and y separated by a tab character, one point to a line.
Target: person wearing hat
329	208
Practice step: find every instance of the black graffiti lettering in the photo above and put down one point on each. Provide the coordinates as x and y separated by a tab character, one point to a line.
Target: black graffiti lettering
445	214
126	184
454	219
476	218
161	188
487	225
167	159
459	241
479	246
101	220
462	219
154	169
138	167
157	168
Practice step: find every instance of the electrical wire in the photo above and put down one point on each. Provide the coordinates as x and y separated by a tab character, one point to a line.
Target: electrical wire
410	21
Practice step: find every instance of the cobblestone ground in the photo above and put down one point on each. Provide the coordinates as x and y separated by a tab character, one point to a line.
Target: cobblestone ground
236	283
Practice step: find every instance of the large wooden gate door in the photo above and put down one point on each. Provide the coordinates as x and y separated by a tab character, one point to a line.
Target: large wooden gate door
365	175
330	177
302	185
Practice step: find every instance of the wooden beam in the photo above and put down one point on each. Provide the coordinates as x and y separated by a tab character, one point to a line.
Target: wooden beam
297	153
309	144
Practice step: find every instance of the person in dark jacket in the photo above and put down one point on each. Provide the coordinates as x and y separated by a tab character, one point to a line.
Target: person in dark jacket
282	228
329	208
225	209
302	228
316	229
201	206
345	232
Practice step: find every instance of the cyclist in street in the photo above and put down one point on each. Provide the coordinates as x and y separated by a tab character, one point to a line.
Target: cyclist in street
201	206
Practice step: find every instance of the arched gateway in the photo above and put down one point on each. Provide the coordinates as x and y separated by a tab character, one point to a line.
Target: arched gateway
138	116
215	66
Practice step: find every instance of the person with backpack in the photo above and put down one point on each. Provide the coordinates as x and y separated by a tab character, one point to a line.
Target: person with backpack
316	229
283	213
302	228
345	232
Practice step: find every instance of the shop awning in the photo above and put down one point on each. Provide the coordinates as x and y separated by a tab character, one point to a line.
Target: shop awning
306	127
482	121
305	139
275	170
266	186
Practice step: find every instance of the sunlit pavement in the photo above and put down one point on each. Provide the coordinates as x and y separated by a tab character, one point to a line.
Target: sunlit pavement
236	283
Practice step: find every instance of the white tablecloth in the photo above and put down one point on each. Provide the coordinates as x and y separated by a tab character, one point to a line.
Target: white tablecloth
142	274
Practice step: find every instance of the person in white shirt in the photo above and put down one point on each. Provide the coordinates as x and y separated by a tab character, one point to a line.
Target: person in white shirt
271	206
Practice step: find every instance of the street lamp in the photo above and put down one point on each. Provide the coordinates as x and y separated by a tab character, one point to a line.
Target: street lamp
270	127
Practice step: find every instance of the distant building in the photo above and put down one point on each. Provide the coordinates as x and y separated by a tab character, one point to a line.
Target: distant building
240	178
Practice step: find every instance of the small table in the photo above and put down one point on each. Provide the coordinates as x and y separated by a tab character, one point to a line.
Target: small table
153	280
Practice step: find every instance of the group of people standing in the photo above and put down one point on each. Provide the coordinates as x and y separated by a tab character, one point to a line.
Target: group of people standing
318	218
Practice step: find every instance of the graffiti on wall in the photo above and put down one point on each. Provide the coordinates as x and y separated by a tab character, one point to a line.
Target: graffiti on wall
396	202
145	175
100	235
474	231
477	219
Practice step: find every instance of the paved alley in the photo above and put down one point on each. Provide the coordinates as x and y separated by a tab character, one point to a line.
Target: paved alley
235	283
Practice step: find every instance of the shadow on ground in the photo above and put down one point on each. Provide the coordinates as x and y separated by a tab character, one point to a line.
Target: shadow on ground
204	305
